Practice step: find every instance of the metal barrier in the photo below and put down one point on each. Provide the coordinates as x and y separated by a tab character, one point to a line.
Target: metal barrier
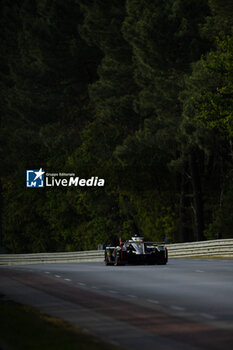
51	258
217	248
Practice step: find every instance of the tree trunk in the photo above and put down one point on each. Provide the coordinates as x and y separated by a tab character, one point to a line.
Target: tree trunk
197	196
1	247
185	232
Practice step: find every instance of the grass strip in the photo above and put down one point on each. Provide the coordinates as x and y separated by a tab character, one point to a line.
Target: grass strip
24	328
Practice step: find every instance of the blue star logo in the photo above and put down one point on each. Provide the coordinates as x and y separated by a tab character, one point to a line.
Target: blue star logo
35	178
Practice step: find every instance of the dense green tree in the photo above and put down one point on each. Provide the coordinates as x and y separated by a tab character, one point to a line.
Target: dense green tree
223	8
46	74
208	124
136	92
165	38
112	97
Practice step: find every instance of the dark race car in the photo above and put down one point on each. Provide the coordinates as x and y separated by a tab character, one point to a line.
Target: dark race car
136	251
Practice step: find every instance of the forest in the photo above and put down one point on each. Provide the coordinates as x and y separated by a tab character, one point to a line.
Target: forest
136	92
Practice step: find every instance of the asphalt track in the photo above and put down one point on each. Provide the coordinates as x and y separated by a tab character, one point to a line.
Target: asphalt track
186	304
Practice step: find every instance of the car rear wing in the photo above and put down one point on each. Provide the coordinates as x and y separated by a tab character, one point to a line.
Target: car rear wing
131	241
153	242
145	242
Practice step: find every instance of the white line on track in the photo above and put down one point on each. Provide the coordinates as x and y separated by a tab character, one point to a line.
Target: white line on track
47	272
199	271
177	308
131	296
94	287
82	284
113	291
153	301
57	276
209	317
67	279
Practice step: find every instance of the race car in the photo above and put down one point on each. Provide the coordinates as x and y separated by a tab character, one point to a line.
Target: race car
136	251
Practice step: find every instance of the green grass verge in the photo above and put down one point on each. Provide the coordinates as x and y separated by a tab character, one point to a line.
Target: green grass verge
24	328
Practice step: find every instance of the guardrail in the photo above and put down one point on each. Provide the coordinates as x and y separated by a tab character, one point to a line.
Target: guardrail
51	258
217	248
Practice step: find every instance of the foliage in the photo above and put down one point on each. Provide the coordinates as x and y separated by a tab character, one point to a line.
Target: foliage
23	326
136	92
216	104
